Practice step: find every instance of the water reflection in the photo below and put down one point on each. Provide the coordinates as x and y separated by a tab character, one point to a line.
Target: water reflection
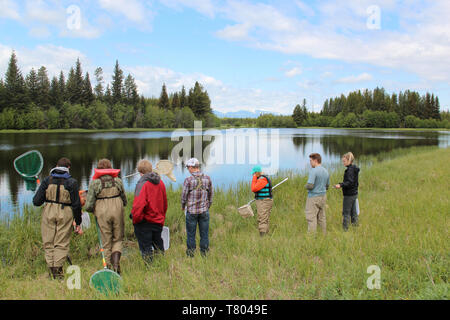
126	149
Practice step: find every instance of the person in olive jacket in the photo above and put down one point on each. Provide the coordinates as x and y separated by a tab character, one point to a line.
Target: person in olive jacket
350	191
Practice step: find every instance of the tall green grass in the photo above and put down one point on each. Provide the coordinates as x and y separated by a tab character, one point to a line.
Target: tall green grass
404	225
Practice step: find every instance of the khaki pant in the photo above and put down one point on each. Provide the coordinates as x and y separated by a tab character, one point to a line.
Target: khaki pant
315	213
56	229
264	207
110	217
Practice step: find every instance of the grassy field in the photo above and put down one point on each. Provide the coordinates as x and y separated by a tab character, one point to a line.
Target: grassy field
404	225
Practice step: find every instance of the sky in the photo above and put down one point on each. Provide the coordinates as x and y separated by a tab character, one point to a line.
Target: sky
249	55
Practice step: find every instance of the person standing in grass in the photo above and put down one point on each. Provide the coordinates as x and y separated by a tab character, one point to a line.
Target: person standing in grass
262	187
149	211
317	186
59	192
350	191
196	199
106	199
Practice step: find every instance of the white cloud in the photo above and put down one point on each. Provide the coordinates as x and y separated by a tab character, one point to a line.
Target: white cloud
54	58
43	17
9	10
421	45
224	97
363	77
133	10
237	32
293	72
304	8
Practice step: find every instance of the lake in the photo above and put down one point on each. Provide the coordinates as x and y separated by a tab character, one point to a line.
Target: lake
228	155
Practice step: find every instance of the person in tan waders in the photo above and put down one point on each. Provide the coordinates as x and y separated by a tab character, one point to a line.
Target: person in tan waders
106	199
59	192
262	187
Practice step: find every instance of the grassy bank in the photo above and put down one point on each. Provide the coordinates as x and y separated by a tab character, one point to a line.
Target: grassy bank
404	230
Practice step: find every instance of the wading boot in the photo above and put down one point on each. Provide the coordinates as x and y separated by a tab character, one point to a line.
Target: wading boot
59	273
115	260
51	272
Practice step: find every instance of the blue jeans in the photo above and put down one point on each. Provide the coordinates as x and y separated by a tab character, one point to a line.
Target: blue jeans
191	228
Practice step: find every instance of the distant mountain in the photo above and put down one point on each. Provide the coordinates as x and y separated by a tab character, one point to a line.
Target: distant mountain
243	114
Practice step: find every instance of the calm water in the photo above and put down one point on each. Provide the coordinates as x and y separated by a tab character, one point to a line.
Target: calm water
228	156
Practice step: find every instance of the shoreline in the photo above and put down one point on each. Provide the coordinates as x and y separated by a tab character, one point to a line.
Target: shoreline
75	130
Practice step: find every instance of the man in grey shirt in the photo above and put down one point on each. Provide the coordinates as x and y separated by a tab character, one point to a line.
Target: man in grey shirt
317	186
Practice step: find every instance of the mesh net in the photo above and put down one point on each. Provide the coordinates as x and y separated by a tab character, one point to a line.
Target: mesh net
246	211
106	281
29	164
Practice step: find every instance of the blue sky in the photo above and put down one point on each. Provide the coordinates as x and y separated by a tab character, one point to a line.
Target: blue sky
248	54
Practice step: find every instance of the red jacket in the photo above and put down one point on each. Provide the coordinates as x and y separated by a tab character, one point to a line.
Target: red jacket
150	203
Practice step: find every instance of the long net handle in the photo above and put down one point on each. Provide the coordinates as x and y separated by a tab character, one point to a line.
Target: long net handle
272	189
280	183
101	244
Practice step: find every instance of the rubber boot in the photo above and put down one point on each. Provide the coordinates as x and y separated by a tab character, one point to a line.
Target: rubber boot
52	272
59	273
115	260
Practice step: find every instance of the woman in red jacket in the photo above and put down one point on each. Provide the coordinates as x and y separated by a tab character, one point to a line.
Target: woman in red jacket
149	211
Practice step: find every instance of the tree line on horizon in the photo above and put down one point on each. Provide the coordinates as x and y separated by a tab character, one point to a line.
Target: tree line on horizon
375	108
36	102
368	109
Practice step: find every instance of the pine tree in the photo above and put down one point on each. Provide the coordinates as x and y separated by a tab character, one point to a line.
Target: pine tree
394	103
108	95
43	88
175	102
32	86
56	98
183	101
130	92
75	84
2	95
100	81
325	109
117	84
163	102
436	109
15	90
88	95
304	110
62	87
199	101
298	115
